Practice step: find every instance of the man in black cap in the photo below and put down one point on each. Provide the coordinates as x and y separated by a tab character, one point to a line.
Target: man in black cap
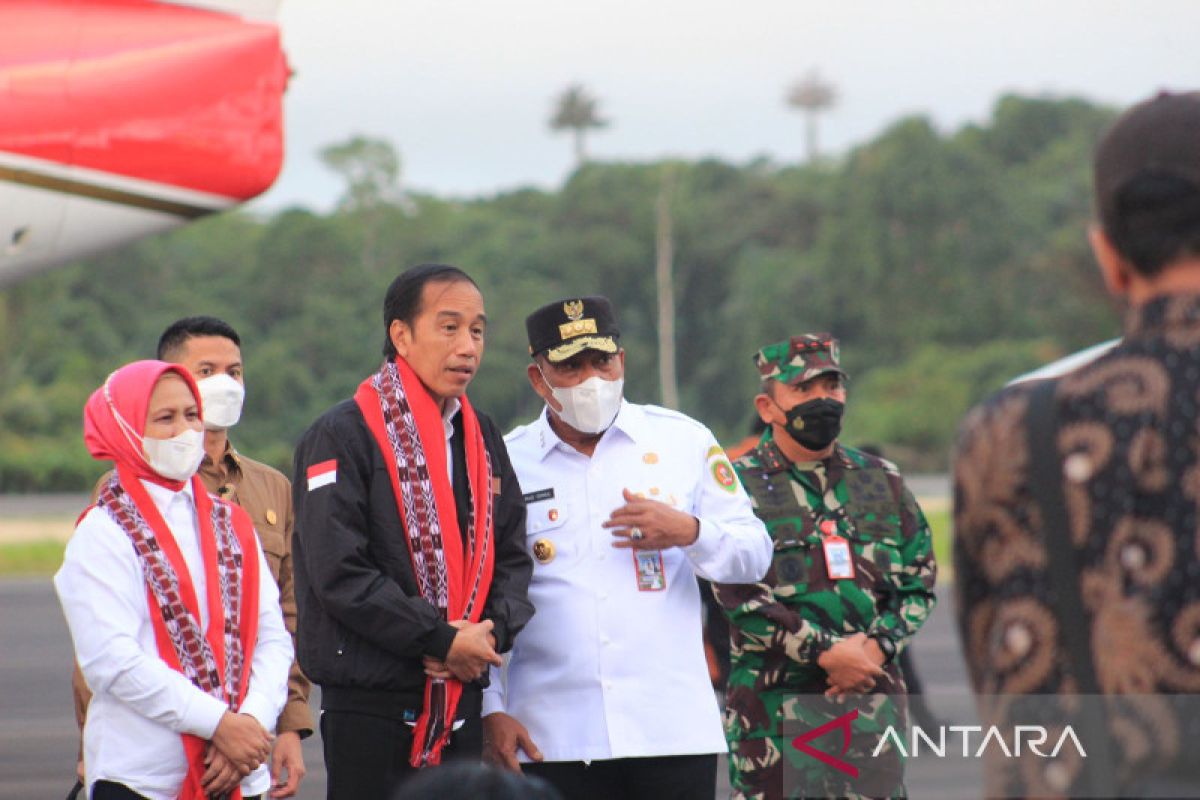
606	693
1078	497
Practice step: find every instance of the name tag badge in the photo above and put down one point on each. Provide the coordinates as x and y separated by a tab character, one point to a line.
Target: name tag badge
838	561
651	576
539	495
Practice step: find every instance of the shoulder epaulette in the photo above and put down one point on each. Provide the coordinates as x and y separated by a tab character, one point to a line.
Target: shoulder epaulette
667	413
516	433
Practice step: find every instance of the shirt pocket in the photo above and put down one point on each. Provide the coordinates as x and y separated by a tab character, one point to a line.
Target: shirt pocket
549	539
792	564
793	539
660	480
877	538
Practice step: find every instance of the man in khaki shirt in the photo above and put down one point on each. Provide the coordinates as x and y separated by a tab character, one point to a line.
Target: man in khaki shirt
211	351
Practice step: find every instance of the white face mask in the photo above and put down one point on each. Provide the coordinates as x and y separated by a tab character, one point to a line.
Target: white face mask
176	458
591	406
222	398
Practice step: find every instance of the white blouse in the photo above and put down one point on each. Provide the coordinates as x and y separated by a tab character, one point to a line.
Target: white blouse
140	705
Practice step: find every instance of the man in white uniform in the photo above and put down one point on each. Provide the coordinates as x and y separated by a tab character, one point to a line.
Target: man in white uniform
606	693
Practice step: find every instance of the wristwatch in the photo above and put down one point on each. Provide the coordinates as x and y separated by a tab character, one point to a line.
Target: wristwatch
887	645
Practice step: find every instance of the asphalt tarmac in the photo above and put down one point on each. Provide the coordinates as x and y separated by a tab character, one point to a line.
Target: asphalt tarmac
38	739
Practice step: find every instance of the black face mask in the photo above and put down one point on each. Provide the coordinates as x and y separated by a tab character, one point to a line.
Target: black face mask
816	423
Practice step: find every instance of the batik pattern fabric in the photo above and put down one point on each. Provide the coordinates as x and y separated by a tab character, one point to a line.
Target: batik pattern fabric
1128	448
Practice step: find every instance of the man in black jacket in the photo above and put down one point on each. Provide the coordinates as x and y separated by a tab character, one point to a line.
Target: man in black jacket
411	570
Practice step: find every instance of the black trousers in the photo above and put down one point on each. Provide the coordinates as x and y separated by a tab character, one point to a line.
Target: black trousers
107	790
653	778
366	756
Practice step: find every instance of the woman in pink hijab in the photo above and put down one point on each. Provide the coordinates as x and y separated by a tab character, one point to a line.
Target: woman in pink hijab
174	616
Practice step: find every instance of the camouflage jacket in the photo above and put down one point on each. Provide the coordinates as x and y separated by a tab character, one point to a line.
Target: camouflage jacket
780	626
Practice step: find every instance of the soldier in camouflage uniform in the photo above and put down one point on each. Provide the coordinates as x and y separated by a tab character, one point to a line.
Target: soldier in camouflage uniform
850	583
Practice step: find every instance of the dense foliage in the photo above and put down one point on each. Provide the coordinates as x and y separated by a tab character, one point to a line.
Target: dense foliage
946	263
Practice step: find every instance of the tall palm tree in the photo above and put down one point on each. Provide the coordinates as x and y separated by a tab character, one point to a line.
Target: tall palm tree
576	110
811	95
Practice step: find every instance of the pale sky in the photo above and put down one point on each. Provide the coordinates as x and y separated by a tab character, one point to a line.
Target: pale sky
463	88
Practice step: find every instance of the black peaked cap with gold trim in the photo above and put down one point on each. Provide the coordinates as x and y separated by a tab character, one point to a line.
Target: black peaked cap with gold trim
566	327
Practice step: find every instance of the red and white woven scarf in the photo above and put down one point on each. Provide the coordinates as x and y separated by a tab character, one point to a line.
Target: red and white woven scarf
407	425
216	660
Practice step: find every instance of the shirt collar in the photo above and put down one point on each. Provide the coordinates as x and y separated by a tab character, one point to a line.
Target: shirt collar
453	406
546	437
222	477
773	459
1172	312
163	497
630	422
230	459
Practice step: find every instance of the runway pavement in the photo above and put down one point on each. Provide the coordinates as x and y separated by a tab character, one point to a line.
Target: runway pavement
37	729
38	739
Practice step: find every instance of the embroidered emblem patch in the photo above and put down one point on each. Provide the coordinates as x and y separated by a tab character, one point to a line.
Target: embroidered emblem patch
723	474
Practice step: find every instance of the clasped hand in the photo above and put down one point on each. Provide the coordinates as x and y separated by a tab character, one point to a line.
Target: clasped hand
471	652
853	665
239	745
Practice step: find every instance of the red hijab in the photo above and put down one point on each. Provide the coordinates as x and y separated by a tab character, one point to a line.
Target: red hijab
114	419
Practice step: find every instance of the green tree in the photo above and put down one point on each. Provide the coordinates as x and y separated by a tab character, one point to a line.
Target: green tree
370	167
947	262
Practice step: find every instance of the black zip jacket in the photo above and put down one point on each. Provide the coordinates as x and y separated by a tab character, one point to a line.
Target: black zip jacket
361	622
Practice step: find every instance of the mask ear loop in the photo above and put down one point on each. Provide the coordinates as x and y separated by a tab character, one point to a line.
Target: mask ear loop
783	411
553	389
131	436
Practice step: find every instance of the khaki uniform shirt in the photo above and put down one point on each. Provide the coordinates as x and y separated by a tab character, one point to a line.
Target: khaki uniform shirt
266	494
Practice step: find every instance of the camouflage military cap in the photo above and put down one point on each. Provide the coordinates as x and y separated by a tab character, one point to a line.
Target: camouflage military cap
799	359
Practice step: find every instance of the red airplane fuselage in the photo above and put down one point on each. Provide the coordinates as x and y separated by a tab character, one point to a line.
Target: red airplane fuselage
119	118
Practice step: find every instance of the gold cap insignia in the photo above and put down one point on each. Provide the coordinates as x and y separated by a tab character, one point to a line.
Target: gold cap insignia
579	327
543	551
573	309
